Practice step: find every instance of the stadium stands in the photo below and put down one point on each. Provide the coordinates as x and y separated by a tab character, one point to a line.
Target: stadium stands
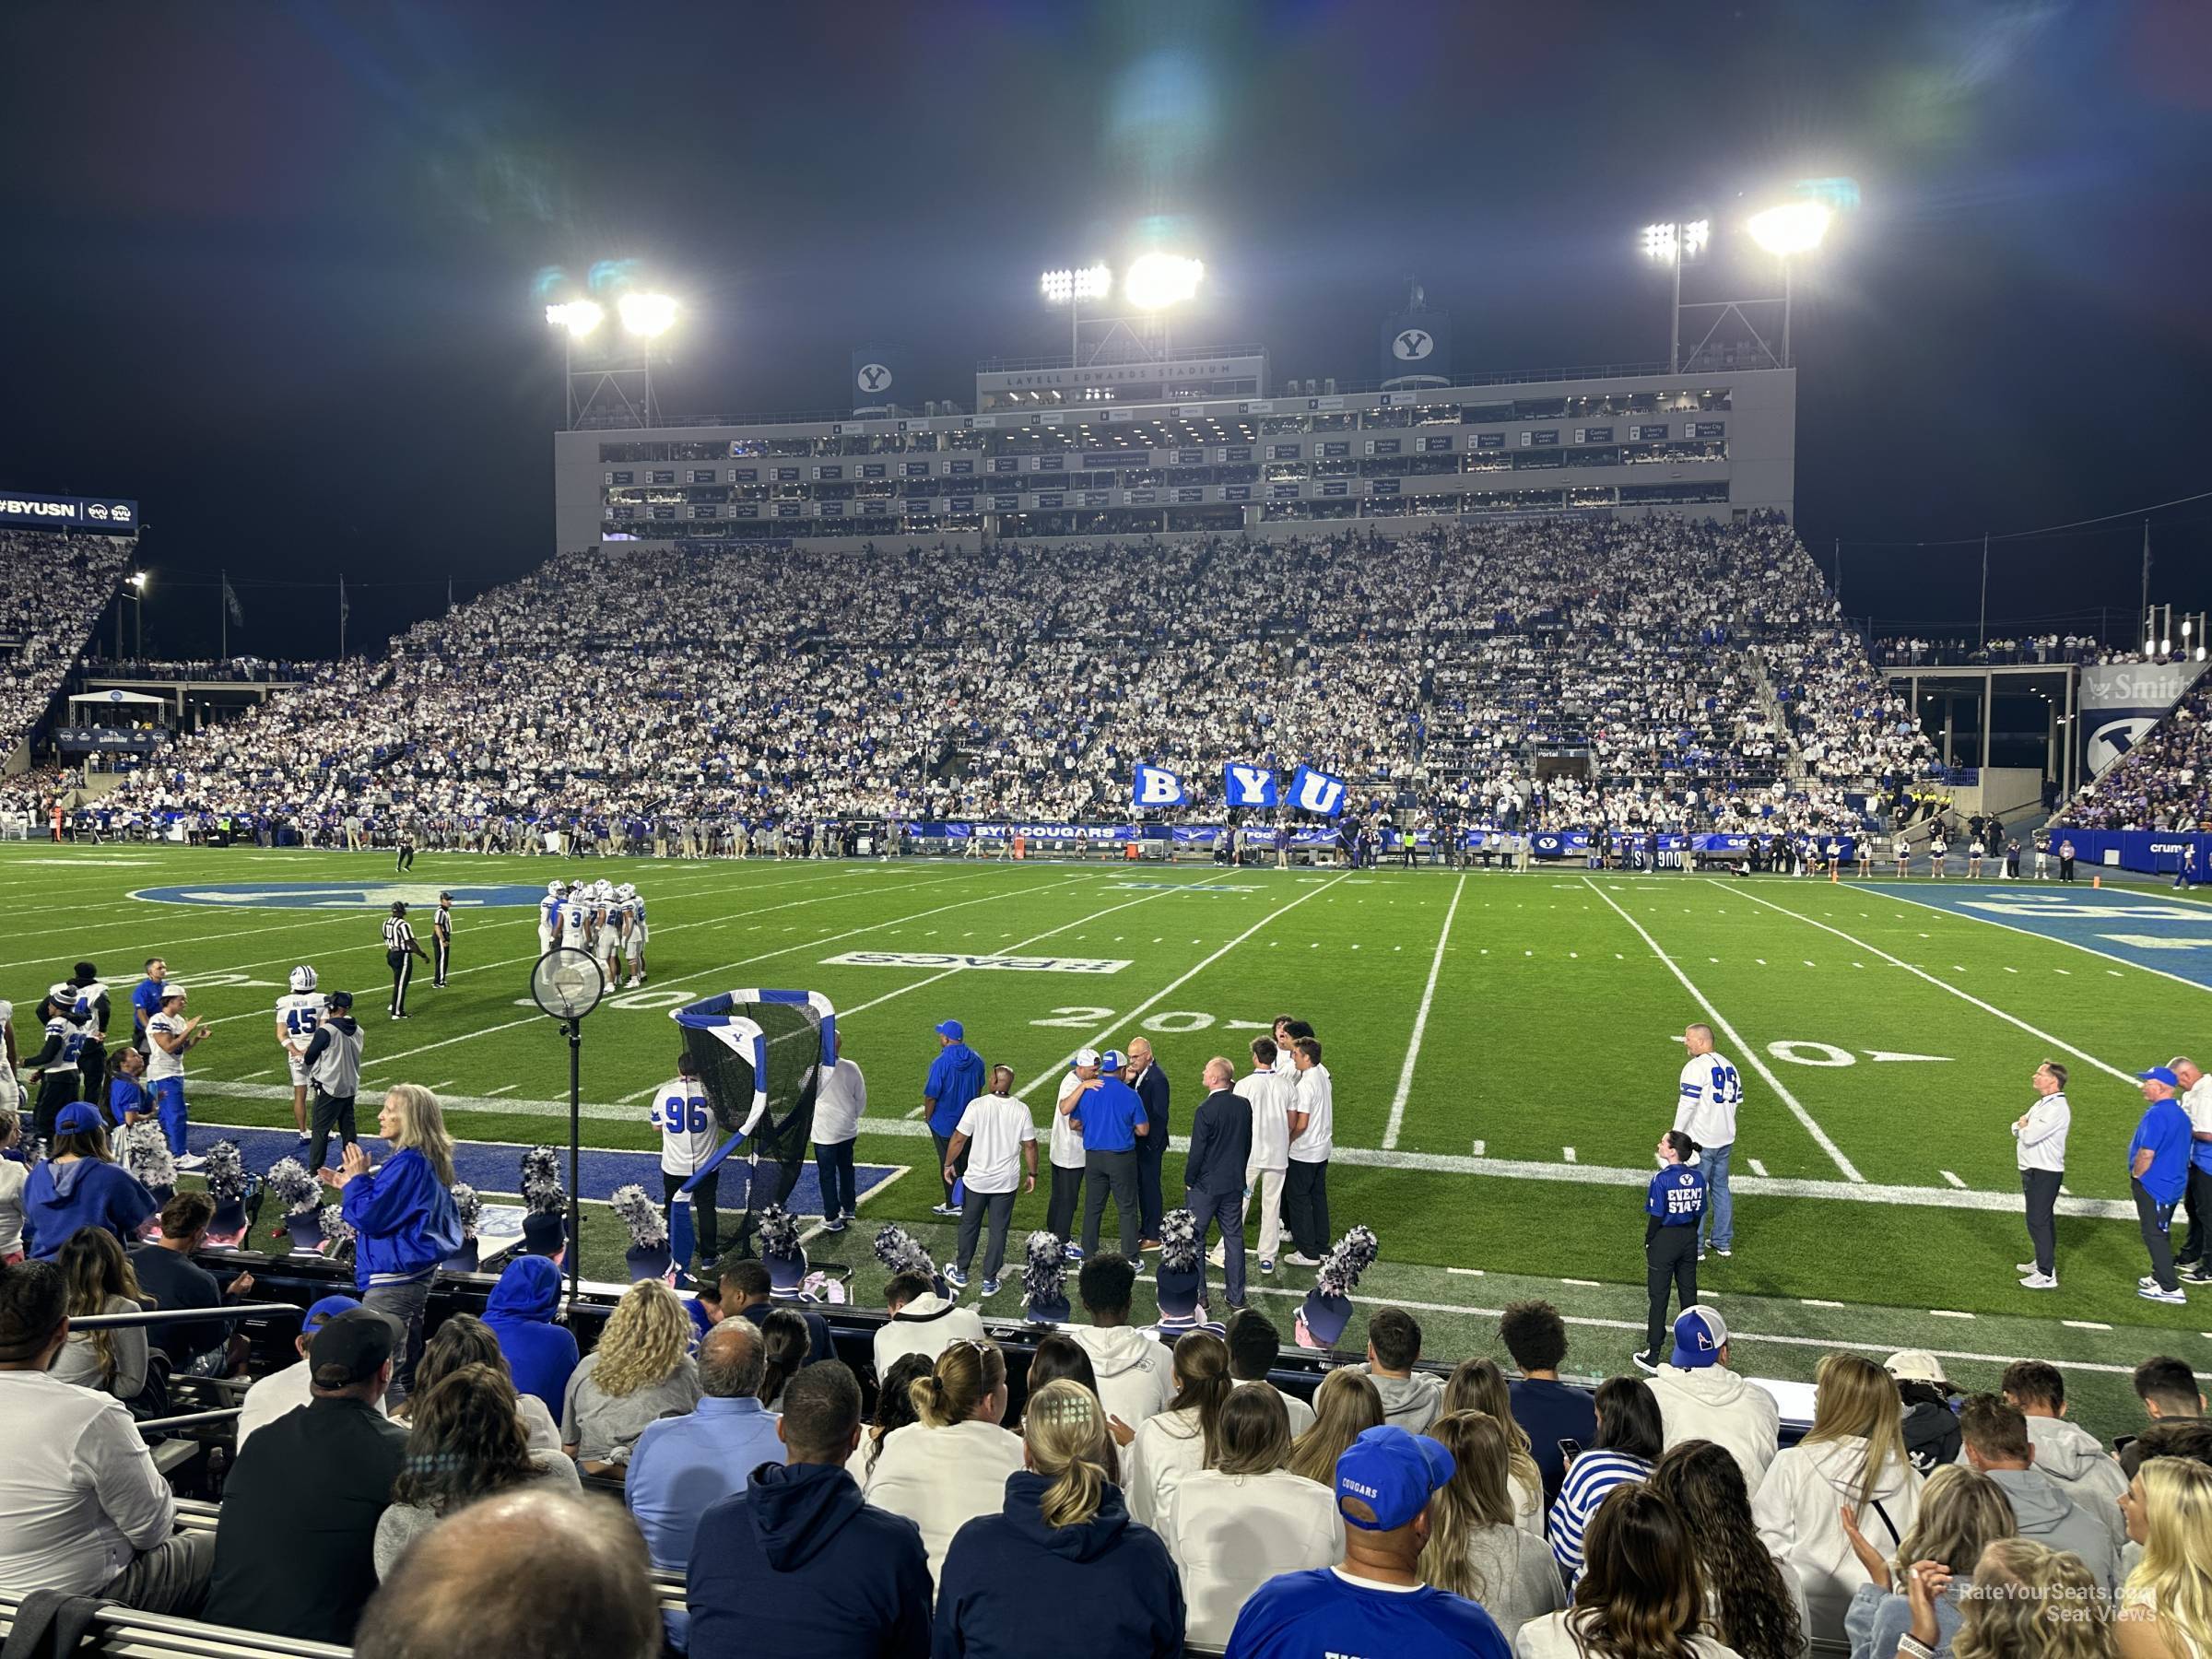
53	588
2163	782
1693	676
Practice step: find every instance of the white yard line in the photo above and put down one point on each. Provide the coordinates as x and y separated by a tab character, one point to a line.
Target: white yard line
2011	1020
2054	939
1420	1025
1175	984
1750	1055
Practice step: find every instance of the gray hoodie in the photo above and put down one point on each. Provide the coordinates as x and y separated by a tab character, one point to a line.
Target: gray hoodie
2075	1461
2045	1513
1411	1403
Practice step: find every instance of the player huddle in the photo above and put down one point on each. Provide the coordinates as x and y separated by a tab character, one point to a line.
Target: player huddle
606	920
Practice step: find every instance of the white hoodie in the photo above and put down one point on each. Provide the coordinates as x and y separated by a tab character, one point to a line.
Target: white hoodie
942	1479
1798	1509
1132	1369
926	1325
1711	1402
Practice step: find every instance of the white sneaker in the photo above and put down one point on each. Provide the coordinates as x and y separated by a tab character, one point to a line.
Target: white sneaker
1299	1258
2024	1268
2040	1281
2151	1292
192	1161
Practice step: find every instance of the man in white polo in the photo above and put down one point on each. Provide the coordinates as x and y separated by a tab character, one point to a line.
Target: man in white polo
2040	1144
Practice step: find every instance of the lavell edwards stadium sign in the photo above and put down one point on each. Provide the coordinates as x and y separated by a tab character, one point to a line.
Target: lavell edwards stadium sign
70	513
2120	703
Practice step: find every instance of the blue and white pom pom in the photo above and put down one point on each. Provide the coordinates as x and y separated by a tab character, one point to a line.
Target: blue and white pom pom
648	1227
901	1252
292	1184
779	1232
145	1156
1178	1241
468	1205
542	1190
1347	1259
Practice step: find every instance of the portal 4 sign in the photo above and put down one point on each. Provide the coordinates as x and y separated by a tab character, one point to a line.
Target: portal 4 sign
338	895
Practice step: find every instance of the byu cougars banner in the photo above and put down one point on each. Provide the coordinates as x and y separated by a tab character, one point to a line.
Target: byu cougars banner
1156	786
1243	784
2122	701
1317	792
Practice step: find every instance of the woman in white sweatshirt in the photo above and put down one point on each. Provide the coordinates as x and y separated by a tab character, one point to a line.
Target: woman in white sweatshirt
1235	1526
950	1467
1179	1440
1854	1455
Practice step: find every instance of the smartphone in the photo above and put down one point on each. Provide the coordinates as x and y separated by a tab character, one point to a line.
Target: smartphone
1569	1450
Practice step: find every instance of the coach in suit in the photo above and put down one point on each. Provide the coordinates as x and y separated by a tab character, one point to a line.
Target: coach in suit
1151	1086
1213	1170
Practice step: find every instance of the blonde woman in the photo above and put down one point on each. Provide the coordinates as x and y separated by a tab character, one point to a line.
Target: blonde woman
100	1281
2029	1602
640	1370
1183	1439
1853	1455
1060	1554
1480	1386
1246	1518
1476	1547
2166	1605
950	1464
1961	1513
1345	1406
402	1215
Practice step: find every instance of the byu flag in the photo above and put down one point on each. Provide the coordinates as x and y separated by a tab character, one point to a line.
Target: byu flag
1243	785
1155	787
1316	791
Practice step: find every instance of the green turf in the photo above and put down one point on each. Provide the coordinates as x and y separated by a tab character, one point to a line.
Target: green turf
1552	1026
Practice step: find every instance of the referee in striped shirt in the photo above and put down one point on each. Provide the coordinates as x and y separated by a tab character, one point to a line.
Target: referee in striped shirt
401	948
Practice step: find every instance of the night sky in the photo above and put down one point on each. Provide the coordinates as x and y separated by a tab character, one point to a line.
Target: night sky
273	267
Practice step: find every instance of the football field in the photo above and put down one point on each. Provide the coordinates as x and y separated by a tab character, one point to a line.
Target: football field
1505	1051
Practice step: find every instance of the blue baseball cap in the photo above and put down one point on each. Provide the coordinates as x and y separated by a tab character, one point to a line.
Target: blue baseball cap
2160	1074
79	1118
1112	1060
1698	1336
1394	1473
953	1029
321	1313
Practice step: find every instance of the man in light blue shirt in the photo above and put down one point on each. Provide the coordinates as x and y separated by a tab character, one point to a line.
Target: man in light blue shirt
682	1465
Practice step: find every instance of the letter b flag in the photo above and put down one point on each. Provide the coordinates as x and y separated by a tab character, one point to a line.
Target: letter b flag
1317	792
1246	786
1155	786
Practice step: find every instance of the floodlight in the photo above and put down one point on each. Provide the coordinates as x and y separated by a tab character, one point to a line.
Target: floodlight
138	580
2186	625
2151	648
2165	647
1659	244
578	316
1695	235
646	314
1792	228
1161	279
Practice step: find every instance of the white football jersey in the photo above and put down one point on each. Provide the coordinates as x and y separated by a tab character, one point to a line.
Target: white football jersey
575	919
1711	1093
300	1012
687	1124
160	1064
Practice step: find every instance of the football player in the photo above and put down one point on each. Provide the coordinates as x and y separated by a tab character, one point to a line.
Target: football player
298	1011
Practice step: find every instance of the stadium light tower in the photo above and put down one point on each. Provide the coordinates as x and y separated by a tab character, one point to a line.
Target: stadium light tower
1787	231
133	589
1676	244
642	318
1071	289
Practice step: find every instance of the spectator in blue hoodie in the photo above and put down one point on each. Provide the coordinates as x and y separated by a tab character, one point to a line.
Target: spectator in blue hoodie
799	1562
1063	1541
81	1185
402	1216
956	1077
540	1353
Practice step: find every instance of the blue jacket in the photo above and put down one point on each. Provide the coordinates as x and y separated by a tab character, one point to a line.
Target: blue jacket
1220	1144
2164	1132
1676	1197
1107	1588
956	1077
519	1313
405	1219
126	1097
59	1199
1109	1115
800	1563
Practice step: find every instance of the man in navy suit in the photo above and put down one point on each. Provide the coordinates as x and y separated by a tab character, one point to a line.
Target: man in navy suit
1151	1085
1214	1168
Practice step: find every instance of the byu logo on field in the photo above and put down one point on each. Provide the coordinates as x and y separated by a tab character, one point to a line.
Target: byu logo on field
1412	345
338	895
873	377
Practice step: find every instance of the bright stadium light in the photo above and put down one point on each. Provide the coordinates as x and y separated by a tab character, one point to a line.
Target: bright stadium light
580	317
1659	244
1790	228
138	580
646	315
1157	281
1073	287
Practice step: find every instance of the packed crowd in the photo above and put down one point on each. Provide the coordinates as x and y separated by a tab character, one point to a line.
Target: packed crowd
238	668
1699	666
1913	651
2164	782
53	589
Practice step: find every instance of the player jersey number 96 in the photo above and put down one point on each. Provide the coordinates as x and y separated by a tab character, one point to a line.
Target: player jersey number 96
679	1116
1726	1089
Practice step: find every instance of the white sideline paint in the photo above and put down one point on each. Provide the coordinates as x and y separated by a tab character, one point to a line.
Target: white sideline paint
1751	1056
1951	1178
1100	1036
1441	1163
2011	1020
2054	939
1420	1024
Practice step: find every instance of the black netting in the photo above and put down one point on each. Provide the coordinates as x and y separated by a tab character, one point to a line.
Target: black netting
794	1036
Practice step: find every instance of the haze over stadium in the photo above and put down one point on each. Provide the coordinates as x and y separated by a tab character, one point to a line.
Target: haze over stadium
1496	718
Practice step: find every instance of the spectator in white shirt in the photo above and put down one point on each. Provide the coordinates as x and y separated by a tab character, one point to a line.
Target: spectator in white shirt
82	1508
1000	1144
1700	1398
839	1105
1255	1344
1238	1523
950	1467
2040	1144
1270	1093
2194	1258
288	1390
1172	1443
1706	1113
1312	1136
922	1321
1133	1369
